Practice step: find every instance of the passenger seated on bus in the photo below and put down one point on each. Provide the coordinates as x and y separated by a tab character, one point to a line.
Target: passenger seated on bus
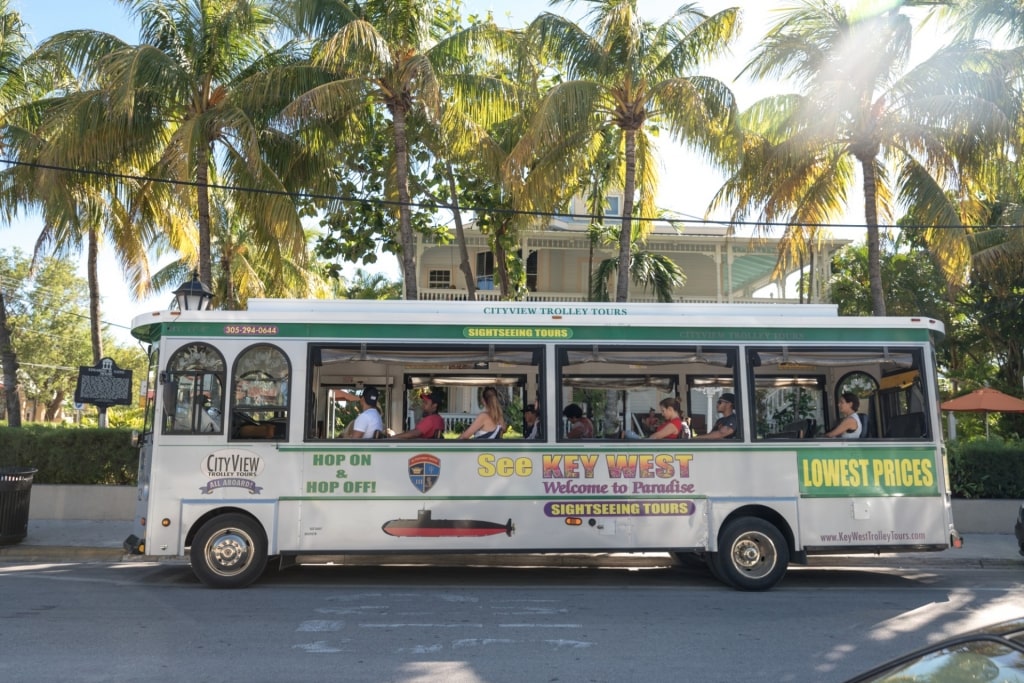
531	423
368	422
580	426
489	424
651	423
431	424
849	426
728	425
675	426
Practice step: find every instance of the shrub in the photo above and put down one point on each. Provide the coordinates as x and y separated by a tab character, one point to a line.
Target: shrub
987	468
71	455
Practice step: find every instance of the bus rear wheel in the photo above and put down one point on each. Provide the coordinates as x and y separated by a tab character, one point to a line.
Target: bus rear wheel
752	554
229	551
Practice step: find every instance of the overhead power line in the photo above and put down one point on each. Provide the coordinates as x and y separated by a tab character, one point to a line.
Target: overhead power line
474	209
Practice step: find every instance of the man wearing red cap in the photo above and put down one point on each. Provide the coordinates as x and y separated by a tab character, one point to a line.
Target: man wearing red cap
431	425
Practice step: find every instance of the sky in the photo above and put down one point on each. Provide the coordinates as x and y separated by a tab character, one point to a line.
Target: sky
687	185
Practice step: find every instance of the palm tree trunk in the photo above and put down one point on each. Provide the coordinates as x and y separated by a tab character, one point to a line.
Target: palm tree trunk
203	201
460	235
626	233
10	361
500	255
801	284
811	280
404	210
873	240
93	278
230	302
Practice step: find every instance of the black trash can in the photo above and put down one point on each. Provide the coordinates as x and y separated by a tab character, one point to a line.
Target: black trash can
15	491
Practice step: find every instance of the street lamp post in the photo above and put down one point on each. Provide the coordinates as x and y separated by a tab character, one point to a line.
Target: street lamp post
193	295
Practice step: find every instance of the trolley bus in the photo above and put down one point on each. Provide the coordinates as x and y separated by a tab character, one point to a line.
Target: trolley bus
246	456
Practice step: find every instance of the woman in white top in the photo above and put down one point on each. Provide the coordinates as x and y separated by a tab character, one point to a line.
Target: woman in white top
491	422
849	426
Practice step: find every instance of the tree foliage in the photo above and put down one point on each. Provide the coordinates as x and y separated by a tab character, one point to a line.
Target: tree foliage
48	314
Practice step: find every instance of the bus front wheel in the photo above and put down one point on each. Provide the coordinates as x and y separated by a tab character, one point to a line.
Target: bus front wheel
229	551
752	554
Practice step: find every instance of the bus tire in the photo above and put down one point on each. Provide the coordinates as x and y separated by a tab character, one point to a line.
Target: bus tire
714	565
752	554
229	551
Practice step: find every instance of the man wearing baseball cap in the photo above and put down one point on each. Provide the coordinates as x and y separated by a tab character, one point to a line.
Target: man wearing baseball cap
728	425
368	423
431	425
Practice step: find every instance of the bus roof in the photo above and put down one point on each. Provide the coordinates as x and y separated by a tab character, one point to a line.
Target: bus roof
150	326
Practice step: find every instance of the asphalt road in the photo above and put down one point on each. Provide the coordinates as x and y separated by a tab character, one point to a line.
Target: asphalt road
122	621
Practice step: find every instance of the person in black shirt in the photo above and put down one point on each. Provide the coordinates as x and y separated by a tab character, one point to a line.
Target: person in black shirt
728	425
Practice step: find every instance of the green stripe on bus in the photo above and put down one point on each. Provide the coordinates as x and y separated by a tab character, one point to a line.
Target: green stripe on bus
397	334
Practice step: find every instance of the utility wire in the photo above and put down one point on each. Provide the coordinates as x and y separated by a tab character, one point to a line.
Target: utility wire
474	209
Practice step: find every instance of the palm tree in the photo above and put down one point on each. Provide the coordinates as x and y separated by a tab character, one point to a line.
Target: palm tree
387	52
247	261
911	133
1002	247
627	76
656	272
366	285
15	87
174	95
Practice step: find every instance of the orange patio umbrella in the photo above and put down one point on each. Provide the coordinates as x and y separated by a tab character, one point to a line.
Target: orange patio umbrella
984	401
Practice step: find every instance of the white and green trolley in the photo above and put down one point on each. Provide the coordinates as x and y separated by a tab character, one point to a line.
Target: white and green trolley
244	456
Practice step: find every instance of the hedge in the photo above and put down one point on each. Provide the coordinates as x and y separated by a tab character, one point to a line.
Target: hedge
69	455
987	468
982	468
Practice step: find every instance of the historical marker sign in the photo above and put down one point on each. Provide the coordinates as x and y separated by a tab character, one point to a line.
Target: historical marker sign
104	384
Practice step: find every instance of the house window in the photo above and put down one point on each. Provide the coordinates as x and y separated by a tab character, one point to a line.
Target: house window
485	270
612	208
439	279
531	271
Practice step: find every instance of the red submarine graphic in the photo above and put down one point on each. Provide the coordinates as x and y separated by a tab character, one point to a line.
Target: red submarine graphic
425	526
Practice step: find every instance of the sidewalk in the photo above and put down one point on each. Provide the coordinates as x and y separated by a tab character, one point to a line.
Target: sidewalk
100	541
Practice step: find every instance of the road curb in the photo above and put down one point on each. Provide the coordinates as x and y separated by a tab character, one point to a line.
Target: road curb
57	553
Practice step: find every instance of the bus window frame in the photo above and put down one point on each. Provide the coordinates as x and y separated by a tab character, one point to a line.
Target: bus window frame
654	357
465	363
242	414
170	380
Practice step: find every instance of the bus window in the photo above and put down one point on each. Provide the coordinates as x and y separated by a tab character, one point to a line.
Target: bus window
902	405
617	386
402	371
259	402
793	384
193	391
152	373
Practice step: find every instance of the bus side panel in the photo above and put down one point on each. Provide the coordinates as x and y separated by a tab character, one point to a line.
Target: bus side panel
264	511
872	522
445	496
873	496
494	526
